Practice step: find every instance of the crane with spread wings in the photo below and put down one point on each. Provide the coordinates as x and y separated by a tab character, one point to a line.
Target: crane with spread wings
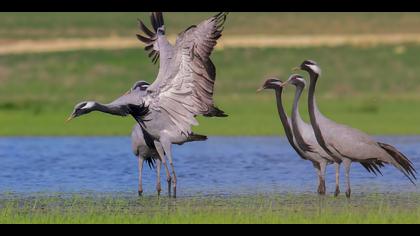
183	89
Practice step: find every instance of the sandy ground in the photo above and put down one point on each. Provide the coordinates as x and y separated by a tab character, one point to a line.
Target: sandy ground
111	43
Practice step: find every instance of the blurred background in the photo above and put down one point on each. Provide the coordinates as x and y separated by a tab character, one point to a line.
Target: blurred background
370	61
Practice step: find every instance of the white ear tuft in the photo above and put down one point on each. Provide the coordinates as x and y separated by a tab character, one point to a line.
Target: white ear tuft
88	105
315	69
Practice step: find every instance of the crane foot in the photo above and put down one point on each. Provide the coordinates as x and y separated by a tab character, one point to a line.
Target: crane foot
337	192
169	179
348	193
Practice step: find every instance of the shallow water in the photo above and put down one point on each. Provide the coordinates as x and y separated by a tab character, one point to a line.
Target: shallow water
219	166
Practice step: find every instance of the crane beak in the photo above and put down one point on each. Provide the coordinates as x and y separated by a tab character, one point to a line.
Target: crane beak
71	117
285	83
260	89
296	69
127	92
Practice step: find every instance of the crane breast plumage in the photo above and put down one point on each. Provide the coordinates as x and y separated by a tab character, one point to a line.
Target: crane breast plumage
187	84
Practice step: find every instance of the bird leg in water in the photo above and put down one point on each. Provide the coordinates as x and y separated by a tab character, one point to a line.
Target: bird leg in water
158	185
161	153
323	166
337	179
167	148
320	170
347	165
318	173
141	161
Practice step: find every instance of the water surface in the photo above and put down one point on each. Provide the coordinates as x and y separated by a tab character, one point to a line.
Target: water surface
220	166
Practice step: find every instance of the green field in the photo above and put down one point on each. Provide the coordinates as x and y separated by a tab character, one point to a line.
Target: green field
375	89
75	25
289	208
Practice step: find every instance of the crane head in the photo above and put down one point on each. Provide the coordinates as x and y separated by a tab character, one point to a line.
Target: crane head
309	66
80	109
161	30
296	80
142	85
271	83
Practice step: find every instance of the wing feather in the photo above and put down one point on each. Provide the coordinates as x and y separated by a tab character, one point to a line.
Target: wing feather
151	38
188	88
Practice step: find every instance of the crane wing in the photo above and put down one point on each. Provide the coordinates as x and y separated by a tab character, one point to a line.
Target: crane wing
150	37
187	89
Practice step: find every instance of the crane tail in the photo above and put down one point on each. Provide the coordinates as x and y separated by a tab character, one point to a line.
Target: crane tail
215	112
196	137
401	162
372	167
151	162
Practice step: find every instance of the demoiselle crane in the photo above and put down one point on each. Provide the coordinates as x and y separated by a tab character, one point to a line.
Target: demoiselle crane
347	144
182	90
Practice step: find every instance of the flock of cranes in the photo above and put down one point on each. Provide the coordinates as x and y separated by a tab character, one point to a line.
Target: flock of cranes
166	110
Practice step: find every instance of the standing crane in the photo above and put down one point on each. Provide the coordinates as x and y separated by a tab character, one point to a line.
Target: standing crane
316	155
347	144
183	89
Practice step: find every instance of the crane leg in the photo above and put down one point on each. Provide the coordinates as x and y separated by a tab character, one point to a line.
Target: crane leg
318	173
141	161
347	165
161	153
323	189
168	150
168	177
158	185
337	179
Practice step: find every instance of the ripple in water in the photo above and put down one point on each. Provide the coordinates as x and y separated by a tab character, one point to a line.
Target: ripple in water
219	166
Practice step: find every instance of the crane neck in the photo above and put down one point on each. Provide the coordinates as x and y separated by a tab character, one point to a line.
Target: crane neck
109	109
284	120
297	120
314	113
295	111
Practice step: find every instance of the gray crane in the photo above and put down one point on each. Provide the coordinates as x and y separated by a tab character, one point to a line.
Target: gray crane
305	136
182	90
145	154
295	128
347	144
142	144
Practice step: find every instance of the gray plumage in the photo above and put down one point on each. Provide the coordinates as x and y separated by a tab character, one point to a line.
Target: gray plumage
295	127
184	85
182	90
147	154
140	148
305	136
143	145
348	144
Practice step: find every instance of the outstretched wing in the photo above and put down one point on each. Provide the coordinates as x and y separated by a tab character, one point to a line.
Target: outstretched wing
150	38
187	90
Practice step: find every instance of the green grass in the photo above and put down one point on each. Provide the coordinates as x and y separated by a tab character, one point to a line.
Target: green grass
75	25
375	89
271	209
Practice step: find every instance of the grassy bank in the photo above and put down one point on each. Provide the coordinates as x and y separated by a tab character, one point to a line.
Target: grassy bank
81	25
292	208
374	88
255	117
